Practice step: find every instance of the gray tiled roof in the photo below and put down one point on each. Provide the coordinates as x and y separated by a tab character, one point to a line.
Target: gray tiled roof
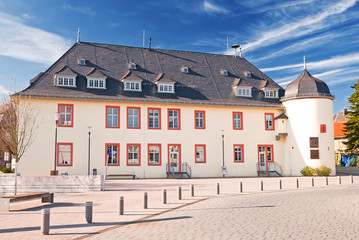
204	83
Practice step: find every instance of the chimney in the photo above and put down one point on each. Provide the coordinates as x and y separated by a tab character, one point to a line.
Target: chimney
149	47
345	111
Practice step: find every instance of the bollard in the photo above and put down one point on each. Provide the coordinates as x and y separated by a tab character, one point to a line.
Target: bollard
192	190
45	221
179	193
164	196
88	207
312	182
218	190
262	185
280	183
351	179
145	200
339	180
297	183
240	187
326	180
121	210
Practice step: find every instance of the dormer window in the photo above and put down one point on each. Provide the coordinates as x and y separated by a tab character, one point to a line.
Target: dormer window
132	66
244	92
185	69
82	62
96	83
132	85
65	81
248	74
166	88
270	93
224	72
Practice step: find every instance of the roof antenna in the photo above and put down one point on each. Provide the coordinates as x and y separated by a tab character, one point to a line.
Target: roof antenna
235	46
305	65
149	47
240	51
78	35
143	41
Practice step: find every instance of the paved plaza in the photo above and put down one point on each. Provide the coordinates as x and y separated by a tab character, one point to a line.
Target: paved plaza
320	212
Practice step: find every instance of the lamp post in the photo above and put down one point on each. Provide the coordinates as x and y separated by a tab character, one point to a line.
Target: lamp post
89	147
56	122
223	167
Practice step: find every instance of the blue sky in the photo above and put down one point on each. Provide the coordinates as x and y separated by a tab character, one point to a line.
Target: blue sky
275	35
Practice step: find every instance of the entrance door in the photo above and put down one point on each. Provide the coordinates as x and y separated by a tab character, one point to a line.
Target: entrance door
174	157
262	158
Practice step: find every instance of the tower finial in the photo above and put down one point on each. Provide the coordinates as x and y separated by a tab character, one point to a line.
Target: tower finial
78	35
305	65
240	51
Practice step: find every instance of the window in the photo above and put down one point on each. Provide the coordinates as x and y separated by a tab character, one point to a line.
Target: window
154	118
200	119
65	115
132	85
185	69
66	81
64	154
166	88
133	66
133	117
174	119
238	153
112	158
248	74
237	121
224	72
270	93
154	154
133	154
269	121
112	117
6	156
314	142
82	61
267	151
244	92
200	153
323	128
96	83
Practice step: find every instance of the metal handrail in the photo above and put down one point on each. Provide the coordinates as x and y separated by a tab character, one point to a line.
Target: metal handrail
187	168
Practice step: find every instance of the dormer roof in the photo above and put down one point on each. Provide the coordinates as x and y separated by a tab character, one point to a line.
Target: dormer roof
94	72
240	82
130	75
163	78
66	70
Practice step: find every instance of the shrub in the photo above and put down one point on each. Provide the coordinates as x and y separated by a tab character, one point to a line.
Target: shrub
7	170
307	171
323	171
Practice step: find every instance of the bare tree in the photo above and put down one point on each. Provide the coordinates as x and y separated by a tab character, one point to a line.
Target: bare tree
18	126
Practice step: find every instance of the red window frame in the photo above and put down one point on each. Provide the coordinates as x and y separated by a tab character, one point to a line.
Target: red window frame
195	119
265	121
148	154
179	118
118	116
179	155
139	118
72	114
323	128
241	114
118	154
148	118
234	153
57	154
195	152
262	145
139	154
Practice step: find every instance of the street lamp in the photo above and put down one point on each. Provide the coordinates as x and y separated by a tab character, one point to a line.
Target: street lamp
223	167
88	163
56	123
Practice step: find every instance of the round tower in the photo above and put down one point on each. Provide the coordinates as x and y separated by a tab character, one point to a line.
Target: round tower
309	107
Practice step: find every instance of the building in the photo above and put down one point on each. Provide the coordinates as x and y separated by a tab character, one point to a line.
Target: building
152	111
339	134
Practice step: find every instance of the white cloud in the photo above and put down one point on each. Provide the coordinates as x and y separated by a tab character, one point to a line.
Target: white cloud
28	43
4	91
211	8
82	9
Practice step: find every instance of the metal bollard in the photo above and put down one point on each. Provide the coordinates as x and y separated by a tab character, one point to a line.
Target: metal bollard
179	193
164	196
218	190
240	187
339	180
351	179
312	182
192	190
145	200
45	221
262	185
121	210
280	183
88	207
297	183
326	180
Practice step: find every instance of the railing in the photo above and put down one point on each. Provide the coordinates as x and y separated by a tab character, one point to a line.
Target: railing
270	167
186	168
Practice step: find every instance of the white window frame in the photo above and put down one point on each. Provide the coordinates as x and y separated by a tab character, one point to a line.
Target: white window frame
132	153
244	92
154	118
112	159
154	153
64	150
185	69
270	93
224	72
65	81
82	62
97	83
200	153
135	86
133	66
166	88
6	156
238	153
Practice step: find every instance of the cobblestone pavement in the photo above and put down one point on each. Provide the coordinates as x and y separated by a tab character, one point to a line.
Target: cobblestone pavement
325	213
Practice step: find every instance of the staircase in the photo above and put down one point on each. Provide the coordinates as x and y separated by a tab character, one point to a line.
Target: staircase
186	171
272	169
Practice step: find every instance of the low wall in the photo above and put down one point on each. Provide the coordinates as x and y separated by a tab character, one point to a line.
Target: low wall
54	184
347	170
